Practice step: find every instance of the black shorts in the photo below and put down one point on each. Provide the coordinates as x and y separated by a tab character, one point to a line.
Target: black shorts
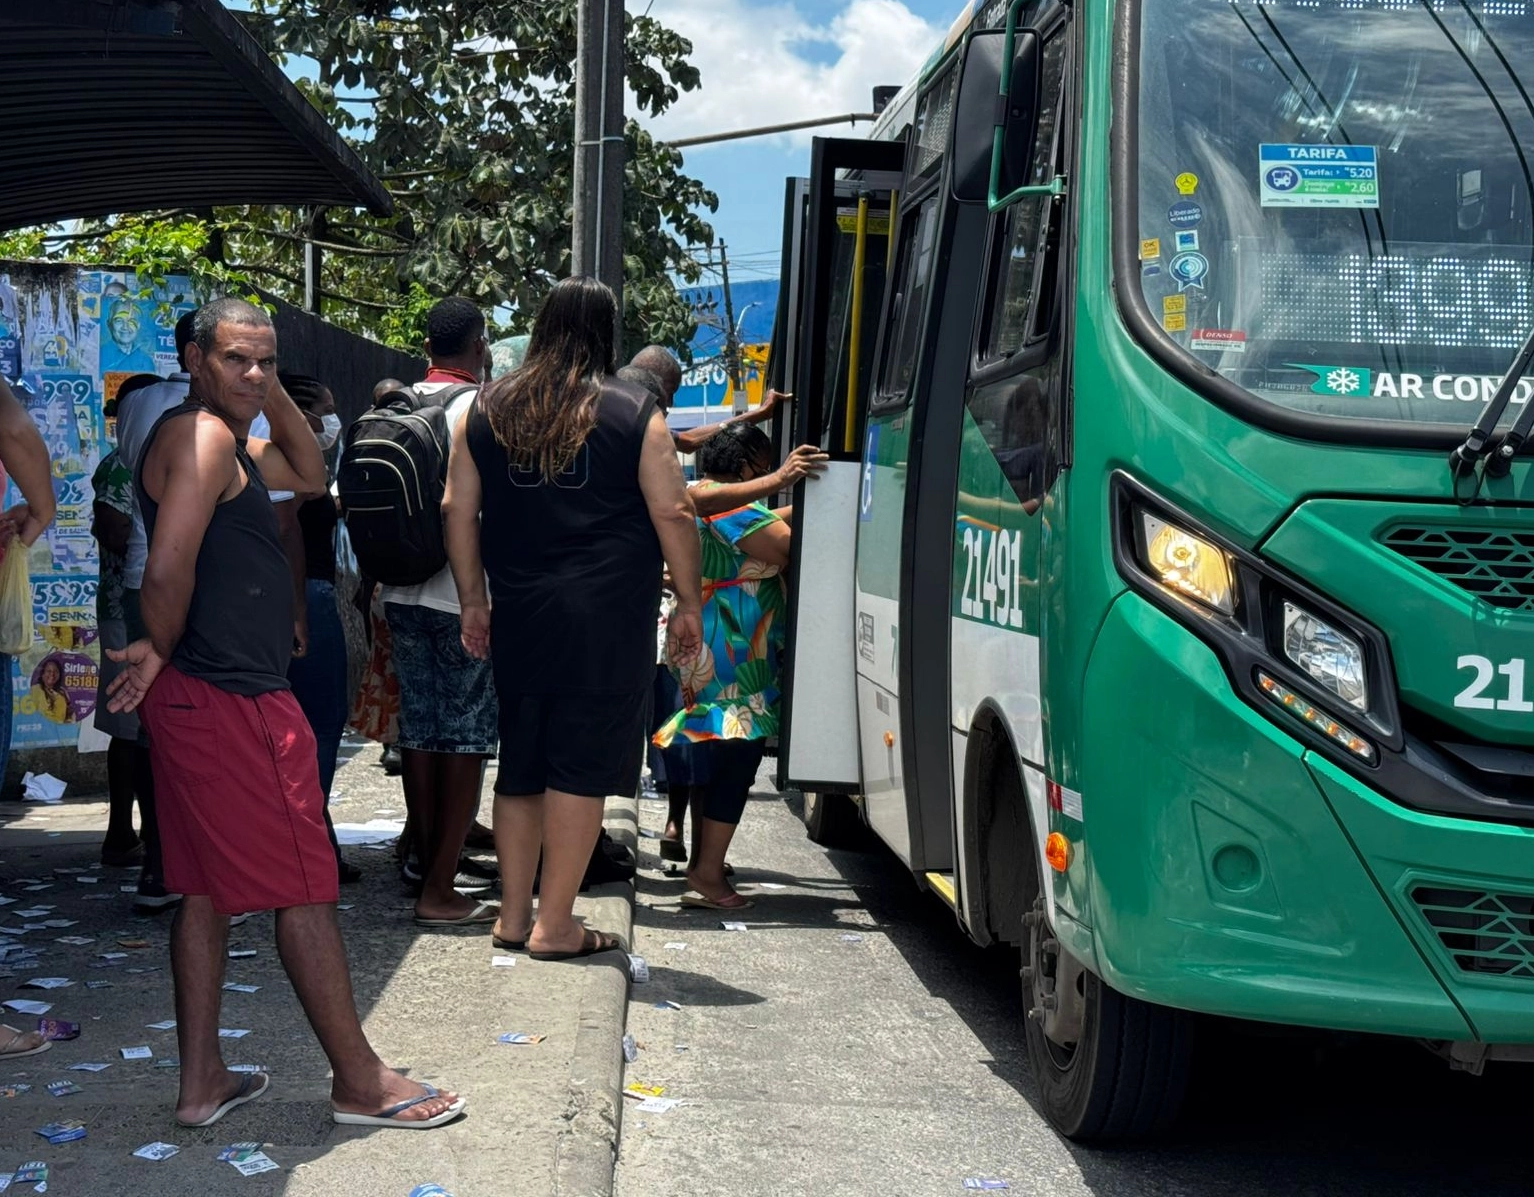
587	744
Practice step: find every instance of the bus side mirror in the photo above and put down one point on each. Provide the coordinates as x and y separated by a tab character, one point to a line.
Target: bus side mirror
982	108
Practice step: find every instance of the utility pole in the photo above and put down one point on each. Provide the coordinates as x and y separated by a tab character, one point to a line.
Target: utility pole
314	229
596	241
731	341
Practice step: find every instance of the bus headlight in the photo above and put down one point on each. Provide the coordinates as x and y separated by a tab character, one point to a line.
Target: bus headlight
1187	564
1330	658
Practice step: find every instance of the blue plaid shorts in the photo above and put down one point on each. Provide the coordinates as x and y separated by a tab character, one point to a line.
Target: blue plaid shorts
446	697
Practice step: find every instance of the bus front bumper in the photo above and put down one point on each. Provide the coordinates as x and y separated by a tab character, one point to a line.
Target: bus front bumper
1230	870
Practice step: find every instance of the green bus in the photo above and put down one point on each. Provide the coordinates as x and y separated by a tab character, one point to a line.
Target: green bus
1169	606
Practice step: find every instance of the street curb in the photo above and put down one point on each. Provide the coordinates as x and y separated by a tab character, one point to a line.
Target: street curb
587	1150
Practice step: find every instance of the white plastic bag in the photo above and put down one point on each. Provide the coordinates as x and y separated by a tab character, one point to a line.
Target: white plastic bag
16	628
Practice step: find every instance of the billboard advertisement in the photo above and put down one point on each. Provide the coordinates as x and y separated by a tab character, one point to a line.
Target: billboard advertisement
69	336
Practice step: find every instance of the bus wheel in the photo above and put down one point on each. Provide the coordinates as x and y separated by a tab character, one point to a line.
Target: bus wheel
830	820
1108	1066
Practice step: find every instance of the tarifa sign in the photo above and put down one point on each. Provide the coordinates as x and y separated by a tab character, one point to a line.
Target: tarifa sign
1357	382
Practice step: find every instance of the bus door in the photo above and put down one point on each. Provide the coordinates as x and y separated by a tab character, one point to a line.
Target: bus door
834	285
1013	446
904	537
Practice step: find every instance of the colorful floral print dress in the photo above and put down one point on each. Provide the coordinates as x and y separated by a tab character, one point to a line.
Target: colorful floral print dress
732	687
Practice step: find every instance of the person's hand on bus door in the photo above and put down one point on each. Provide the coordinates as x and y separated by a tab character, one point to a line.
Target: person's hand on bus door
807	461
770	401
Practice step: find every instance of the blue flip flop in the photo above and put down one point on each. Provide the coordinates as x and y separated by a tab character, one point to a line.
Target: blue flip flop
248	1091
390	1117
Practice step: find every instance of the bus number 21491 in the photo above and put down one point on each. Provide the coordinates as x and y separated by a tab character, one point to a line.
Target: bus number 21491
993	576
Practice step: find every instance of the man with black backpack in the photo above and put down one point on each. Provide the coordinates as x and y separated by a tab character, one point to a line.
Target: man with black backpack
391	478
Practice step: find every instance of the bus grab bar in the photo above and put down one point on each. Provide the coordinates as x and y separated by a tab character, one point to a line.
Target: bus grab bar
1055	186
855	341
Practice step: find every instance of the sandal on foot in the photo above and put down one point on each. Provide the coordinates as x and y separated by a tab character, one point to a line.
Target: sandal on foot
249	1090
483	912
390	1117
11	1049
672	849
733	902
510	945
593	943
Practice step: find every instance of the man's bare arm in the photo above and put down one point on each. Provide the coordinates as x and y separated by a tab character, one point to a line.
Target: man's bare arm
291	460
26	460
688	440
460	516
461	508
190	466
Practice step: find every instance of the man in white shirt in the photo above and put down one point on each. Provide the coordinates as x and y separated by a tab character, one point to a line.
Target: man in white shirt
448	718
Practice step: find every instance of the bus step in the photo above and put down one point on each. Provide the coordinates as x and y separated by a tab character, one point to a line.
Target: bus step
942	885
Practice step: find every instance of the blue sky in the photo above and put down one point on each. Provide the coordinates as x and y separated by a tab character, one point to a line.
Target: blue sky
766	62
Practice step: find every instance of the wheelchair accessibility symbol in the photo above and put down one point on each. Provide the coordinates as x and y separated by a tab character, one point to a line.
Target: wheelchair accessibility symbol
866	494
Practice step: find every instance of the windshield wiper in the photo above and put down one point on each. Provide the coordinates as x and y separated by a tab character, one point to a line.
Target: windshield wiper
1478	444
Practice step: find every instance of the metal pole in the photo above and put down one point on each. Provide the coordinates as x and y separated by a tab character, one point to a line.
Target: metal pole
610	156
731	341
849	118
855	338
314	230
588	136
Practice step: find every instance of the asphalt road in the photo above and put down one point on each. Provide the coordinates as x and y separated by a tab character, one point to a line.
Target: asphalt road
894	1062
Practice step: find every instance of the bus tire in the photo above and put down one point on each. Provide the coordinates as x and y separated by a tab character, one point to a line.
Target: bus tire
1122	1072
1127	1076
830	820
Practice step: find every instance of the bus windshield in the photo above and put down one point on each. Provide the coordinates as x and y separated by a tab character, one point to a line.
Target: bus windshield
1334	197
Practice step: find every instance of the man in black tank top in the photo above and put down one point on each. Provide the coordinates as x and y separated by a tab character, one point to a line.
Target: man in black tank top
236	777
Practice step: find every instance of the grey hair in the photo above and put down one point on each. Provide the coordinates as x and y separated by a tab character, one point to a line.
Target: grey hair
228	310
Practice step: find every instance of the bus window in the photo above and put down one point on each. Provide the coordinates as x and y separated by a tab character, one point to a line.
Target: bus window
1018	239
914	272
934	115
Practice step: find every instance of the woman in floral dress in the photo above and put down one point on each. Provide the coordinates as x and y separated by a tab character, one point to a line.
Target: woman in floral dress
731	688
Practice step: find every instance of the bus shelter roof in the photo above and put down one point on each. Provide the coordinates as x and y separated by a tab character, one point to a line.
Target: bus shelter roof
127	105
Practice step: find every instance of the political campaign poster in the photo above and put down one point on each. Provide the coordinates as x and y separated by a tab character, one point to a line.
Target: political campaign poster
69	337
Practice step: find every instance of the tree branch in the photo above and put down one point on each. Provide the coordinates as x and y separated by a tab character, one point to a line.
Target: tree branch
271	272
333	246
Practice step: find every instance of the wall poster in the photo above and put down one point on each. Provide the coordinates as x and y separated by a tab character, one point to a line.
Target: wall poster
69	337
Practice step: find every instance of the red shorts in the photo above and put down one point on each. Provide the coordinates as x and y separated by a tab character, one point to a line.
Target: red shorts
237	792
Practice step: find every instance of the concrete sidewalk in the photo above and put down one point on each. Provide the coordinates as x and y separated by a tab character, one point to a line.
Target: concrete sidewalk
541	1119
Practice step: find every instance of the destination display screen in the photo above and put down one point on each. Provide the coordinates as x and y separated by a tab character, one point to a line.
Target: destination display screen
1448	296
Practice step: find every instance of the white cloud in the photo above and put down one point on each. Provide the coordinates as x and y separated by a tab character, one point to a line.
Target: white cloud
764	64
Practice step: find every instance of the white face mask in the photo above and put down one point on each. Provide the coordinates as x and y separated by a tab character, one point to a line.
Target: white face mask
330	430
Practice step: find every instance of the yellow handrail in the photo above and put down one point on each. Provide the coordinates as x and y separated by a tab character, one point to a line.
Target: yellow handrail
855	342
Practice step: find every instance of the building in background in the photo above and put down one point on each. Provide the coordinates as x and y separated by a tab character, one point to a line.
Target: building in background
707	394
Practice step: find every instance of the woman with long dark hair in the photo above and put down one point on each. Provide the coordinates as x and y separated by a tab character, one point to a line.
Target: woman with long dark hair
564	492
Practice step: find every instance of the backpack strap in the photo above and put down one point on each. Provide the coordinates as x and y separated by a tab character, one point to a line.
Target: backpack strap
445	396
